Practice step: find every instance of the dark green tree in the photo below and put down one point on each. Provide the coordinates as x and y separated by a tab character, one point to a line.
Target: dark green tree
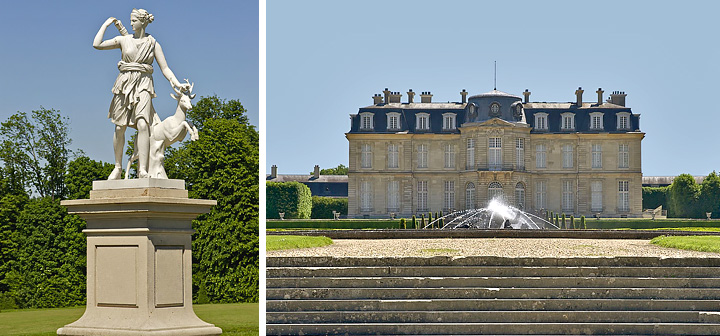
222	165
683	197
341	169
34	151
80	174
710	195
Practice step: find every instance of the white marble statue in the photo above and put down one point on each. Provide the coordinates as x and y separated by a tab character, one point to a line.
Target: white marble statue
133	91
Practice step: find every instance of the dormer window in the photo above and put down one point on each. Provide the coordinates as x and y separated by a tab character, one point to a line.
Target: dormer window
541	121
422	121
393	121
596	121
366	121
448	121
494	110
568	122
623	121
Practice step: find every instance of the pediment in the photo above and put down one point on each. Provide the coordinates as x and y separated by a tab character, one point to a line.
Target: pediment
496	122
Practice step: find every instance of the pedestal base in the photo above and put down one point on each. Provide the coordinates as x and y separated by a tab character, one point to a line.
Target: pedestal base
139	261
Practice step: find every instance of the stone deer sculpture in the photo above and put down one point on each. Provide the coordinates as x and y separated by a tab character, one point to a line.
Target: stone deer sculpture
167	132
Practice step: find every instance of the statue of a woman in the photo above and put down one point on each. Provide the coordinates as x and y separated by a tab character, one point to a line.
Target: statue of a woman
133	90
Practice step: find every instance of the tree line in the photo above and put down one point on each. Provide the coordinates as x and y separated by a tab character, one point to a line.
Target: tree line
42	248
685	198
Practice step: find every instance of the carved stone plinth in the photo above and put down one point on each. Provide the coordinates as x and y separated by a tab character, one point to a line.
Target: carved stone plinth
139	259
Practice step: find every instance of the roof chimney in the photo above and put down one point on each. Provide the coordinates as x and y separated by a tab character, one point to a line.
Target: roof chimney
411	95
395	97
273	171
600	93
464	93
377	99
426	97
527	96
617	98
316	172
578	94
387	95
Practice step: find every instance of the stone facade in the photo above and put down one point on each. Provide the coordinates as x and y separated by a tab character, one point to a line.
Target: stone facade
576	158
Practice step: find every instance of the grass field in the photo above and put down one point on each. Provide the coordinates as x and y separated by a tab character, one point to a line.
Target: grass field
234	319
694	243
292	242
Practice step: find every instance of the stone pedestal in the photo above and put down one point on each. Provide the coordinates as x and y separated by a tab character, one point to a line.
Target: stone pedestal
139	259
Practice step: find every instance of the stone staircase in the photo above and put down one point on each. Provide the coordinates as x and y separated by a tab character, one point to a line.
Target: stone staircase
493	296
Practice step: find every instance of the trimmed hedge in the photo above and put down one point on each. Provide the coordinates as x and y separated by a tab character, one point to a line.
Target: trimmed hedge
654	197
334	224
323	207
292	198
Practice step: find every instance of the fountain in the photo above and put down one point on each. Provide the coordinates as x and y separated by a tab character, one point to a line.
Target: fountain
497	215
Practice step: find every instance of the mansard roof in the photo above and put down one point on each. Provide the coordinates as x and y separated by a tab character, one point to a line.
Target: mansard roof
494	93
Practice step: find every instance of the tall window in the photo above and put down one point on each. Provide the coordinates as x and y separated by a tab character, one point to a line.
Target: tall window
422	121
365	196
568	200
392	157
541	121
568	121
541	195
422	156
624	196
448	121
520	195
596	203
366	121
470	196
449	195
393	121
623	121
596	156
567	154
495	153
495	191
520	153
540	156
623	156
449	156
422	196
366	156
470	164
596	121
393	196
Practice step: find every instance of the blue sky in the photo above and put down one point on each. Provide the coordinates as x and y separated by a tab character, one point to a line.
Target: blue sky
48	60
325	59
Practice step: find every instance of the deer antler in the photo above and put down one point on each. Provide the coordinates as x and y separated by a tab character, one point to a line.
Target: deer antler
189	91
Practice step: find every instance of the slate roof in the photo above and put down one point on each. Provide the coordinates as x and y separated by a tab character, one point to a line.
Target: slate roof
494	93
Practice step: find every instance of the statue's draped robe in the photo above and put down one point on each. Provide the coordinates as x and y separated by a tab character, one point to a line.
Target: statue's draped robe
133	90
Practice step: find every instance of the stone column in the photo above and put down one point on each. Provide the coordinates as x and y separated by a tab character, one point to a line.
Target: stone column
139	261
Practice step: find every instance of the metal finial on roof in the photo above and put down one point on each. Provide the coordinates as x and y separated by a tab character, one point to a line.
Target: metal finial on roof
495	80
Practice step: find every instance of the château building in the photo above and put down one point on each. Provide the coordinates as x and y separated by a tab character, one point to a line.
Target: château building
579	158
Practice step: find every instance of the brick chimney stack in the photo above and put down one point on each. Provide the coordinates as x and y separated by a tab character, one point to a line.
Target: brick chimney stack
578	94
426	97
387	95
395	97
411	96
618	98
273	171
463	94
316	172
600	95
527	96
377	99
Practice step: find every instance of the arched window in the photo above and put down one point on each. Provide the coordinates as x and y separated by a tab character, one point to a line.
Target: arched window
495	190
470	195
520	195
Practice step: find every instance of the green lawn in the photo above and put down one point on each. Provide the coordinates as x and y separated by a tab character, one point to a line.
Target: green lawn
233	318
292	242
694	243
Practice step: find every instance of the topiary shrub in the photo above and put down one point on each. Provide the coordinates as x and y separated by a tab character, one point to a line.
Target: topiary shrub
292	198
582	222
403	225
572	222
414	222
323	207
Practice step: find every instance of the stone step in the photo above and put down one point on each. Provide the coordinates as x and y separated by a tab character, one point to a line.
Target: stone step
495	329
491	305
502	282
498	271
488	293
306	317
491	261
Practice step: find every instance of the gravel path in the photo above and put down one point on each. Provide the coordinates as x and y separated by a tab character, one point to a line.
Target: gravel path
502	247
